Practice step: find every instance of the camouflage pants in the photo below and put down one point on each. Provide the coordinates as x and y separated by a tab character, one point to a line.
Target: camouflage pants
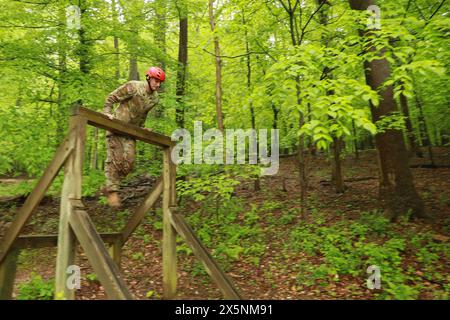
121	152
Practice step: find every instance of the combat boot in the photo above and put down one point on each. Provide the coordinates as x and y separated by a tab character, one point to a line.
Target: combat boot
114	199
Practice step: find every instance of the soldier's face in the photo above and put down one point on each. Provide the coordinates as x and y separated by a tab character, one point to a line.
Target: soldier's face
154	84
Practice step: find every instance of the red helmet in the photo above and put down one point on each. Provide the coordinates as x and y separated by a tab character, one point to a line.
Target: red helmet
155	72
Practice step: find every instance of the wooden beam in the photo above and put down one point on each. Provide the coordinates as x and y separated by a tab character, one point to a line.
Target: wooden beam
8	269
51	240
73	172
140	213
101	121
103	265
169	244
218	276
25	212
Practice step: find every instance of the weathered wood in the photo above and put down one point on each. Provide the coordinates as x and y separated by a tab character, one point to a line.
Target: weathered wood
218	276
169	235
140	213
63	152
51	240
71	189
101	121
8	269
115	251
97	254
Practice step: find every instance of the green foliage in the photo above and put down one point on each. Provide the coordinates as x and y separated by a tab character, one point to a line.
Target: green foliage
92	277
36	289
211	183
348	248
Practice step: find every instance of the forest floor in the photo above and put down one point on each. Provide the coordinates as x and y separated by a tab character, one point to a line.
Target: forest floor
268	249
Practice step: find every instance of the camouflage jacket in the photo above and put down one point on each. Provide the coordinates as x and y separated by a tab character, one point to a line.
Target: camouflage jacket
134	102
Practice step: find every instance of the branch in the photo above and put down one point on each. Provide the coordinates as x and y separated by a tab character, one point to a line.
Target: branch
309	20
28	27
437	9
234	57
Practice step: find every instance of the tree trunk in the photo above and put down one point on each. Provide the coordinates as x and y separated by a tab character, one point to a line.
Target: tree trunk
116	40
62	71
414	150
337	176
182	64
84	44
257	183
397	190
355	140
161	30
423	129
218	67
94	151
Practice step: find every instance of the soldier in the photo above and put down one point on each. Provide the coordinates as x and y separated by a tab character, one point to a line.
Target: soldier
136	99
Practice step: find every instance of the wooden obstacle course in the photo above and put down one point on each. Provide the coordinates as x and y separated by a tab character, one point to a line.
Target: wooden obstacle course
76	227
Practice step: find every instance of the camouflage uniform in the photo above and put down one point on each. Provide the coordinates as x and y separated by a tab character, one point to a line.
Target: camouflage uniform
134	104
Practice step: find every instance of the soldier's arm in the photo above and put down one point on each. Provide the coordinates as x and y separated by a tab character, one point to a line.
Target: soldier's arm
122	93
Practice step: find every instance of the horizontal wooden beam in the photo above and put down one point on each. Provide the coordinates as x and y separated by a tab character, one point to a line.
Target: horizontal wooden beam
140	212
25	212
100	120
212	268
51	240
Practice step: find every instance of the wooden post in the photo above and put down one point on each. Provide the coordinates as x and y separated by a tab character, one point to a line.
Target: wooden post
115	251
8	273
169	235
71	188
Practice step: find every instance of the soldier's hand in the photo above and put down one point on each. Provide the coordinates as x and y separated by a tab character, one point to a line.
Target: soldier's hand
147	129
110	116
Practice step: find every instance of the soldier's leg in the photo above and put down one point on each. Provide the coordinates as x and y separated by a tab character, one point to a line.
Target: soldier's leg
113	168
129	156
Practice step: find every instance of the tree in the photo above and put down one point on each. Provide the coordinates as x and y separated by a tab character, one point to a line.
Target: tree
397	188
182	63
218	60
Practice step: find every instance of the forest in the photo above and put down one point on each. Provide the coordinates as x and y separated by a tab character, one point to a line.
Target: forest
351	103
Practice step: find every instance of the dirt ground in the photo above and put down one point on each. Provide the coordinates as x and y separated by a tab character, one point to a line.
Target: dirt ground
143	272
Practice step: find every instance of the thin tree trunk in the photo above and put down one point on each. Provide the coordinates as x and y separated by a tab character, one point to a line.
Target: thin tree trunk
161	30
397	190
337	166
218	67
301	157
296	41
414	150
355	141
182	64
423	128
116	40
94	151
62	70
257	183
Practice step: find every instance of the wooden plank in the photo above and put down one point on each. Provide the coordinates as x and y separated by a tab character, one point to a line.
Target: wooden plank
103	265
140	213
169	244
71	189
8	274
218	276
51	240
102	121
62	153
